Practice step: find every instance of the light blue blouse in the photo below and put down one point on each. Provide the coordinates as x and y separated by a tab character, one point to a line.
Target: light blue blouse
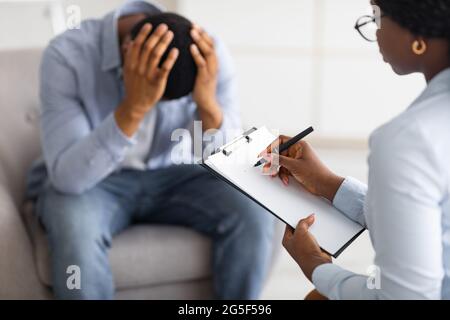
405	207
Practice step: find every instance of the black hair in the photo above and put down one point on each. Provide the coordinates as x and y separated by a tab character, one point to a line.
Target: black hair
182	77
424	18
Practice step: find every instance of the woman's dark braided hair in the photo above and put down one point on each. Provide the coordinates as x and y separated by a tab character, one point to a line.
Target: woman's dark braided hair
425	18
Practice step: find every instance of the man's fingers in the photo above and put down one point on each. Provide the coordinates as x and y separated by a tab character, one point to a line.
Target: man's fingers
159	50
142	36
203	34
156	36
136	46
149	45
170	62
202	41
198	58
207	38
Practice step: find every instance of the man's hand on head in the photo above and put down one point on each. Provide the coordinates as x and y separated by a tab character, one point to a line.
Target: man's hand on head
204	94
145	78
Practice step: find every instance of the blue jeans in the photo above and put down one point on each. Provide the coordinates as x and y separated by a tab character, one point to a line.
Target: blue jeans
80	227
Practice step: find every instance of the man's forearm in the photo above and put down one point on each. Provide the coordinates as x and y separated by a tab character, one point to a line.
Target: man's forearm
127	120
81	166
211	116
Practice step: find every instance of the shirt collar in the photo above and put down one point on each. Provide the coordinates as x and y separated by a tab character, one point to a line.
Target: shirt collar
110	40
440	83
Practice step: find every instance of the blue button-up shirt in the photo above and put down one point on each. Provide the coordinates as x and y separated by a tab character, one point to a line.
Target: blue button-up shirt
81	86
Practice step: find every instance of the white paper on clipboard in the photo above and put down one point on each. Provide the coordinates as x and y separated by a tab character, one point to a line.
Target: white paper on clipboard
234	163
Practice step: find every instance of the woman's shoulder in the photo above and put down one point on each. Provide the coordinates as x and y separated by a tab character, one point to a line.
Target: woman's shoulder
422	129
413	150
416	142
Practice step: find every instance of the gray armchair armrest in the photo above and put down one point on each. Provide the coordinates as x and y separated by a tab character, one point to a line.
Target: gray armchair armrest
18	275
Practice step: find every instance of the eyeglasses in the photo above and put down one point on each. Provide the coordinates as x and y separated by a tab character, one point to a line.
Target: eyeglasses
367	27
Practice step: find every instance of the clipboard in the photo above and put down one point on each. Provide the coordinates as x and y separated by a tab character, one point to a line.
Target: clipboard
239	177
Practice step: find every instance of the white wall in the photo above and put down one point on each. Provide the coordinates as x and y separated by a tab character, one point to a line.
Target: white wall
27	23
300	62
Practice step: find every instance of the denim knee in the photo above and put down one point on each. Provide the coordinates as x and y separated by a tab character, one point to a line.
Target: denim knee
249	221
73	220
258	222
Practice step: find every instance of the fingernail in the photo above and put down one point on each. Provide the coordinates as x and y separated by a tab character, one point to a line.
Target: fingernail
286	181
194	33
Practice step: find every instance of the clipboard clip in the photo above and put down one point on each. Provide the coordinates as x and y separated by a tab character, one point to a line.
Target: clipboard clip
228	149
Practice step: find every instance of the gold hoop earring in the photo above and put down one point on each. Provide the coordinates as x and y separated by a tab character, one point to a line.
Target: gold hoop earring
419	47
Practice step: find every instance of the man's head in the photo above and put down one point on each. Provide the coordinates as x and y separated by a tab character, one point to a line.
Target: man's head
182	77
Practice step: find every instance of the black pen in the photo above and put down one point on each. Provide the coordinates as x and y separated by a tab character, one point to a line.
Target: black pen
287	145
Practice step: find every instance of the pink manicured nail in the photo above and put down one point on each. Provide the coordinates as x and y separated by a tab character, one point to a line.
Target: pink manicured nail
267	157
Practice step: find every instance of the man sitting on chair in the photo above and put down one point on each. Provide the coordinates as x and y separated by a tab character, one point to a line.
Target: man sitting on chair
112	94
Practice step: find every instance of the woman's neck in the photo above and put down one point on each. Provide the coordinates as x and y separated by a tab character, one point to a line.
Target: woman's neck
433	71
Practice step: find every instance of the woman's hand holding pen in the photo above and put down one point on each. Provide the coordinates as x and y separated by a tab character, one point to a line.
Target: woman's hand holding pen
303	164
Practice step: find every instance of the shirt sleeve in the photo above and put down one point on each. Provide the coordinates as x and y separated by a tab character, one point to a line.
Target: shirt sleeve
227	96
350	200
404	218
77	157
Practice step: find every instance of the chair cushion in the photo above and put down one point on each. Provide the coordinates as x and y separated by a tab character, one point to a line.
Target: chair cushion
143	255
19	109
